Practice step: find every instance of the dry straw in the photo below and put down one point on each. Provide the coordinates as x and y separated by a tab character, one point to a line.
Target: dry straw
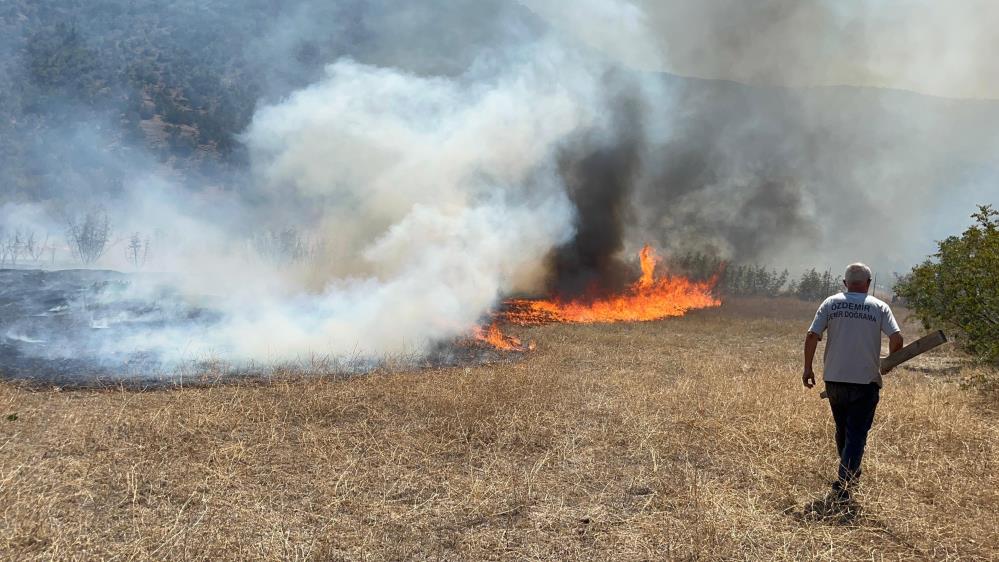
683	439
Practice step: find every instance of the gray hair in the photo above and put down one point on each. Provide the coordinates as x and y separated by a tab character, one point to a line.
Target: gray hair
857	273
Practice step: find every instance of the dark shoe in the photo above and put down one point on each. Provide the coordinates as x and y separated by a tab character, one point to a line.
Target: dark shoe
836	506
840	492
839	503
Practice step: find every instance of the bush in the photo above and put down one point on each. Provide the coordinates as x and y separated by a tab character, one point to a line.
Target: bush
88	236
959	287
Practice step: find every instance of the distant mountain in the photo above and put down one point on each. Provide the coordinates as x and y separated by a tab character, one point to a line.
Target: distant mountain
87	86
81	80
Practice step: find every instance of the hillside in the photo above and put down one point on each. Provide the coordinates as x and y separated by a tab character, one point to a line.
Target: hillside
179	81
175	81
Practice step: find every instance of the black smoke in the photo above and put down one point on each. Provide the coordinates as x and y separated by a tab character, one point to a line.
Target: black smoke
728	180
600	175
732	179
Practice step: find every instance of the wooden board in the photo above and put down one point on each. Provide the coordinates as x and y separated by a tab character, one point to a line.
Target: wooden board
915	348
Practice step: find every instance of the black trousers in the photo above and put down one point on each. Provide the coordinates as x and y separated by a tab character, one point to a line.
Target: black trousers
853	408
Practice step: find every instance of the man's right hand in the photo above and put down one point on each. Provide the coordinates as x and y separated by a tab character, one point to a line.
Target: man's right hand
811	342
808	378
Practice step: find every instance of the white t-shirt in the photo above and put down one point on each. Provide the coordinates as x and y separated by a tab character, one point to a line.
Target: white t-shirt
855	322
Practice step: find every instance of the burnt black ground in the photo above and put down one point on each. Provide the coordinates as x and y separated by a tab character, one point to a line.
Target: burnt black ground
65	326
86	328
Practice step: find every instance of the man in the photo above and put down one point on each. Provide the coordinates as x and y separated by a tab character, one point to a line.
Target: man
852	373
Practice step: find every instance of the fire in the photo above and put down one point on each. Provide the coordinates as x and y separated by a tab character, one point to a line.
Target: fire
648	259
647	299
497	339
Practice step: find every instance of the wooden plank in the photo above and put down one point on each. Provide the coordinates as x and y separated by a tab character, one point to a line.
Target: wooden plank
916	348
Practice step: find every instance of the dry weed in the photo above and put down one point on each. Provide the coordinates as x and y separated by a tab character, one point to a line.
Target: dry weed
689	438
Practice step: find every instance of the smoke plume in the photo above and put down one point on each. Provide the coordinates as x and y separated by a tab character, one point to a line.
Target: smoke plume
807	165
392	170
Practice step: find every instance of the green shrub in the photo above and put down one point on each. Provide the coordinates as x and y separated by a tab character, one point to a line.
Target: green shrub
959	287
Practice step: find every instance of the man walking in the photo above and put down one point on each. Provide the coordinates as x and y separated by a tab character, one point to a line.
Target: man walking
852	371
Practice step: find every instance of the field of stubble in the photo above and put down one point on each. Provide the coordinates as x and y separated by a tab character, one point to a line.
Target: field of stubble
683	439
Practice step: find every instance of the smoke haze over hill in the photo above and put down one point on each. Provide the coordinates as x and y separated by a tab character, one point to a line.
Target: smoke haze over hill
935	48
429	158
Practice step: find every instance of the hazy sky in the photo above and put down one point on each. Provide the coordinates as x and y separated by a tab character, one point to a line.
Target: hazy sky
937	47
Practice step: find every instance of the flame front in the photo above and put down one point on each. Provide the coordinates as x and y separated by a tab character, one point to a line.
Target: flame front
497	339
647	299
648	260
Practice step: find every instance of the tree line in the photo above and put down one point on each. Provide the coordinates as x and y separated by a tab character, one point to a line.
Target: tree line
88	238
753	280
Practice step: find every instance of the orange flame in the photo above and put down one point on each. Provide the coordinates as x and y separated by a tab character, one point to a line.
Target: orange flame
496	338
647	299
648	259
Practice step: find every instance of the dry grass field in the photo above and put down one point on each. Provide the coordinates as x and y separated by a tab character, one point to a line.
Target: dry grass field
688	438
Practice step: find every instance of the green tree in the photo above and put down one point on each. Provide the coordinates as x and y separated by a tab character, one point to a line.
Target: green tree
60	63
959	287
814	285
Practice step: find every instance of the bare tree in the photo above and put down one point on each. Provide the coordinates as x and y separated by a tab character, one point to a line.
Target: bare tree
287	246
35	248
13	245
88	235
22	241
137	250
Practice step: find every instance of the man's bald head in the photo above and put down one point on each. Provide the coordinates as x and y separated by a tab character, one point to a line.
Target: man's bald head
857	278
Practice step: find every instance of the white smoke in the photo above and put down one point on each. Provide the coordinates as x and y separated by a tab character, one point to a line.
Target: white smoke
437	196
440	195
427	171
433	196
